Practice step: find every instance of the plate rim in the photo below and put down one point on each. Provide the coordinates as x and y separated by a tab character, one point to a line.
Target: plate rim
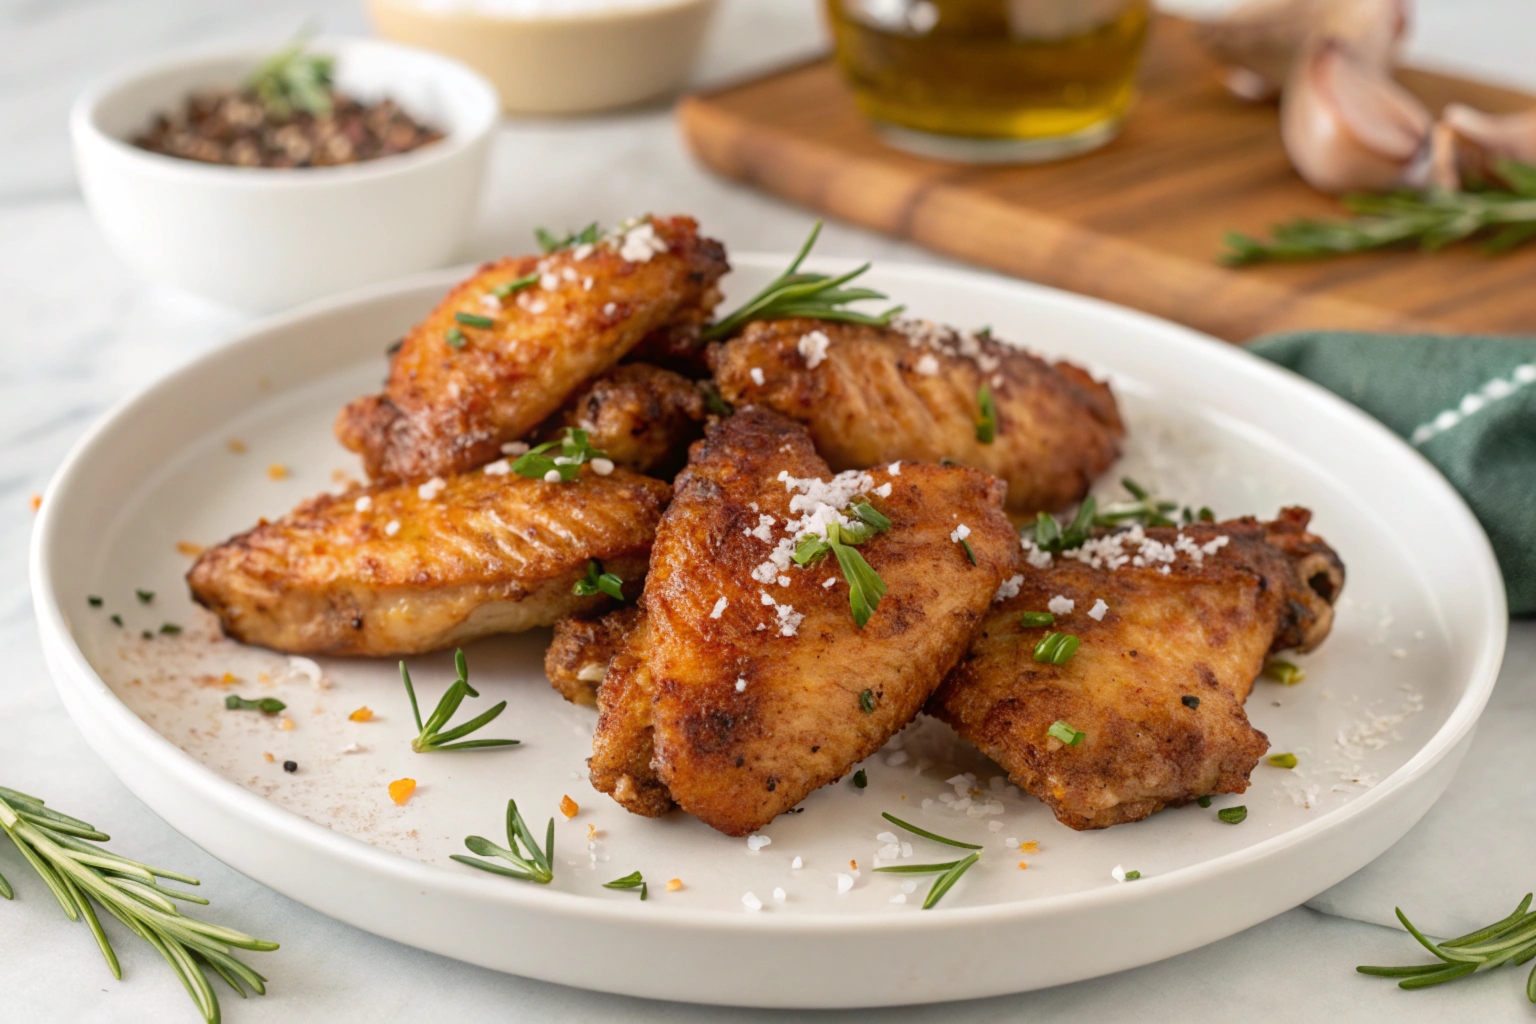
81	678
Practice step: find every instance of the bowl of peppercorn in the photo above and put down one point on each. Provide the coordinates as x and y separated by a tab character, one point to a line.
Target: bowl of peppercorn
260	180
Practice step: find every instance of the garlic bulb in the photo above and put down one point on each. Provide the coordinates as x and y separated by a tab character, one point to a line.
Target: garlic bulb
1260	40
1348	126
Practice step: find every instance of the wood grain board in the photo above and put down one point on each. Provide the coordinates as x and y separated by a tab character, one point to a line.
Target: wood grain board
1139	222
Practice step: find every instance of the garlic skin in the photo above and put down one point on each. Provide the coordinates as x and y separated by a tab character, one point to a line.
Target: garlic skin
1261	40
1479	141
1347	126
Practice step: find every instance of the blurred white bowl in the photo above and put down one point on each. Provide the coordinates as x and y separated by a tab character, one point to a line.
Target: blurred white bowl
577	58
263	238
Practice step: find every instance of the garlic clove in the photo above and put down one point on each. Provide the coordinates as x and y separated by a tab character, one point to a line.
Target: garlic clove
1260	40
1346	125
1481	140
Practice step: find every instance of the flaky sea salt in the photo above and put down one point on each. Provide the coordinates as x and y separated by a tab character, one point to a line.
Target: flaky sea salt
1060	605
757	842
813	347
1097	612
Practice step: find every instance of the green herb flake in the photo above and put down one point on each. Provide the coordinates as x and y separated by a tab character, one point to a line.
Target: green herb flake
475	320
1233	815
169	628
454	338
549	242
94	601
1056	648
986	423
1282	760
507	288
629	881
1283	672
1131	876
598	582
1190	701
144	596
1204	801
860	780
570	451
968	552
1034	620
117	620
867	702
271	705
1062	731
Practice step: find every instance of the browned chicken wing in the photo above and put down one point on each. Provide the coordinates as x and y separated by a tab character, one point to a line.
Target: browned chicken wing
498	356
578	655
872	395
642	416
1158	683
748	683
407	569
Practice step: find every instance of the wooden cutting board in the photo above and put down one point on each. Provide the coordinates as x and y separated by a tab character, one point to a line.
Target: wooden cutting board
1139	222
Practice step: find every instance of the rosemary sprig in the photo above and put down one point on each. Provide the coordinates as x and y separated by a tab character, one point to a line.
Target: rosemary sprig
926	834
1503	218
535	865
574	449
1511	940
598	582
59	848
293	79
429	737
629	881
1143	510
796	293
952	870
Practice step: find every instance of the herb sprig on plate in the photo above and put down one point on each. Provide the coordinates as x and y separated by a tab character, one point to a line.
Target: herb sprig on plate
82	875
522	853
949	872
431	735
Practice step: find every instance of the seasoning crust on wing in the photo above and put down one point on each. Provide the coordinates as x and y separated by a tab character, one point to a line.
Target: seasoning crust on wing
1158	684
406	569
743	687
910	391
582	647
640	415
458	390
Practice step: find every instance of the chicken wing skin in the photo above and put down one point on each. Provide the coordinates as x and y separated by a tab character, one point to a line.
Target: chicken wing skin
910	391
582	647
458	389
1158	684
748	684
404	569
642	416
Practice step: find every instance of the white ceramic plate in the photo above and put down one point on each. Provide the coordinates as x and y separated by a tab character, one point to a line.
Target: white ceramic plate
1379	725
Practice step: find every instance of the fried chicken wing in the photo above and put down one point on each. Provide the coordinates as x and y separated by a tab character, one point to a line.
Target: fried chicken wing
1158	683
405	569
642	416
497	357
748	684
579	654
911	391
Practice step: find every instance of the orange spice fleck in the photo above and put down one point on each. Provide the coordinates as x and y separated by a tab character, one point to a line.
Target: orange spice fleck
362	714
235	446
277	471
401	789
286	724
674	884
267	756
568	807
228	679
591	832
36	502
1030	847
853	863
186	547
1023	866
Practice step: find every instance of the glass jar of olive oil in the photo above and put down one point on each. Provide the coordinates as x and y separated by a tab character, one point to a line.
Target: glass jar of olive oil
992	80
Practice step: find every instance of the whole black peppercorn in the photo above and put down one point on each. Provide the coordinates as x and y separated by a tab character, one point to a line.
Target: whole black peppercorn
1190	700
290	766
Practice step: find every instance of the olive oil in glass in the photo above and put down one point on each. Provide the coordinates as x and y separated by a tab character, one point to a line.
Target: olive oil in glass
992	80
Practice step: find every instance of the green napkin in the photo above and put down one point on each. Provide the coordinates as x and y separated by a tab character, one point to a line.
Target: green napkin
1468	404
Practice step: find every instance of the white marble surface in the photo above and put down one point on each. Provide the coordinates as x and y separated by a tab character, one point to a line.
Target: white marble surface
78	333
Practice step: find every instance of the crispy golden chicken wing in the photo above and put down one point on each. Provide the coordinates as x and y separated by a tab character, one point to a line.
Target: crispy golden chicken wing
406	569
1158	683
747	683
489	364
872	395
642	416
583	645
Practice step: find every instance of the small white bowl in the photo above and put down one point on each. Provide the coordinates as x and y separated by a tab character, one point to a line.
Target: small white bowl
580	59
263	238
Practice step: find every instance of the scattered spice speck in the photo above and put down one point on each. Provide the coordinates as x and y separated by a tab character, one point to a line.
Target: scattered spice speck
36	502
266	755
362	714
286	724
401	789
674	884
290	766
277	471
568	807
1023	866
188	548
235	447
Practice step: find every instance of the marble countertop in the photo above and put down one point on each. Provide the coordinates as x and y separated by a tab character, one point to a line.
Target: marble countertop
79	333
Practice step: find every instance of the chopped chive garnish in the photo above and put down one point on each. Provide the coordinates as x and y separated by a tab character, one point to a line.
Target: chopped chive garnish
506	288
271	705
535	865
860	780
1131	876
147	635
428	737
869	514
968	552
144	596
169	628
1233	815
599	582
947	880
94	601
1056	648
712	400
1034	620
986	423
1064	732
1284	672
550	242
454	337
1283	760
1204	801
867	702
925	833
629	881
1190	701
475	320
117	620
